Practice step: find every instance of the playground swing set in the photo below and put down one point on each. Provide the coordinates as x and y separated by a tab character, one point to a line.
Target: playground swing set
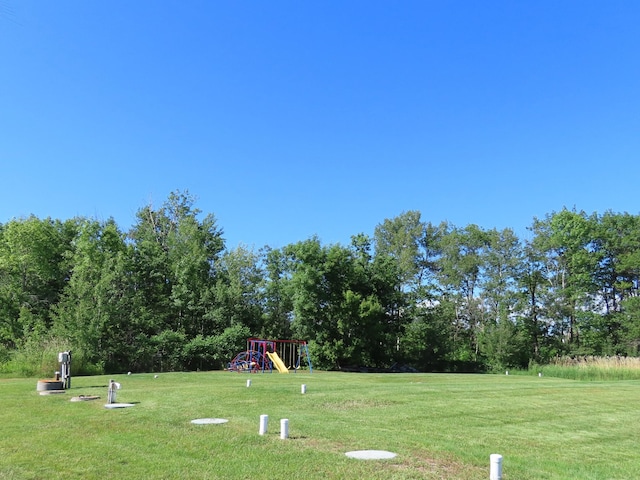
264	355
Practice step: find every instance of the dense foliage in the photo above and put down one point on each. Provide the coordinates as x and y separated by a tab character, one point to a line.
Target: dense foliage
168	294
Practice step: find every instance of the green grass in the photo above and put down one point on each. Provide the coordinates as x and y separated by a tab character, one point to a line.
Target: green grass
441	426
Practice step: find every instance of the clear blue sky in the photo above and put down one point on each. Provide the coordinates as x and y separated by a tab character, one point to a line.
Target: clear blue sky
293	118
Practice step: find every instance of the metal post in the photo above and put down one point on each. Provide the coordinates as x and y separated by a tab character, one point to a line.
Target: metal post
65	368
68	382
306	350
111	393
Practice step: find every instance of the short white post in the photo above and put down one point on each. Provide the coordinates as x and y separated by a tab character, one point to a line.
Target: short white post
248	382
303	389
496	467
284	428
264	422
111	392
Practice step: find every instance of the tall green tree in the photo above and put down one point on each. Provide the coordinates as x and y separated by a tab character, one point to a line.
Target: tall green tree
617	240
238	297
33	273
175	258
567	240
336	303
617	244
460	273
372	299
195	249
97	295
501	341
531	310
405	252
317	298
277	295
400	238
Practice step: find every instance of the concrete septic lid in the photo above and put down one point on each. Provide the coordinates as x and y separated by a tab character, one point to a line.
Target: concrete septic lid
370	454
118	405
46	385
209	421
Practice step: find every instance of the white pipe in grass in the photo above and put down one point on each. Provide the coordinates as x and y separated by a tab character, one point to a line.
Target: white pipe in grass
111	392
284	428
495	472
264	422
248	382
303	389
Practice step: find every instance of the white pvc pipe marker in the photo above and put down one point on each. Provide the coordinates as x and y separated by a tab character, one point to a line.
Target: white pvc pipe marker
284	428
496	467
248	382
264	422
303	388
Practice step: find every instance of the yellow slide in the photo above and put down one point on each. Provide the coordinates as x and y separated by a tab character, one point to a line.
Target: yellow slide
278	362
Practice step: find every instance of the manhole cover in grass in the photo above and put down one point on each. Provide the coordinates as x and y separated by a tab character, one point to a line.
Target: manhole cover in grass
370	454
84	398
118	405
209	421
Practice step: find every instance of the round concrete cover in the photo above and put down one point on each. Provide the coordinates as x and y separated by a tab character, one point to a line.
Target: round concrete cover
118	405
370	454
209	421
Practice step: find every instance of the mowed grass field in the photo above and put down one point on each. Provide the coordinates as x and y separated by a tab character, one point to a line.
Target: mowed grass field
441	427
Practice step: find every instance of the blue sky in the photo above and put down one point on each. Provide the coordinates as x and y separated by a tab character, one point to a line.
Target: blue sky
288	119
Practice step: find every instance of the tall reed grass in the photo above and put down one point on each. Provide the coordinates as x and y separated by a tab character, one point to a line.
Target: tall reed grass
39	358
591	368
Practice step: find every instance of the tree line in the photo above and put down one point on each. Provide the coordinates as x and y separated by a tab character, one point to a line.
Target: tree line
169	295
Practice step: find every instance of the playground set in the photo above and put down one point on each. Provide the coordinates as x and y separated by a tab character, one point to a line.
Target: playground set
264	355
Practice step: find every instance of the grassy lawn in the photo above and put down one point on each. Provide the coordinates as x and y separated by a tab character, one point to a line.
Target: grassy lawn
441	427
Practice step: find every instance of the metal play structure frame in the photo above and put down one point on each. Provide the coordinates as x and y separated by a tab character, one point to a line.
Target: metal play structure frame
264	355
